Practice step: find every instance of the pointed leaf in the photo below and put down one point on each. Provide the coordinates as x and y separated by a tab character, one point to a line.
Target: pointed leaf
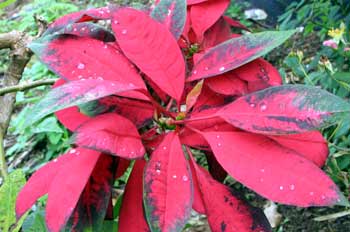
235	23
95	14
193	95
204	15
273	171
226	211
39	183
90	211
91	30
72	178
131	217
259	74
75	93
150	46
227	84
285	109
310	145
110	133
172	14
79	58
218	33
237	52
168	190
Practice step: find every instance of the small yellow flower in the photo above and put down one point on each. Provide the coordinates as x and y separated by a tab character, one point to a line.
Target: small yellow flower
337	34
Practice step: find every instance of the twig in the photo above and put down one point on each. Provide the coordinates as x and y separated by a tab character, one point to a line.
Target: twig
332	216
25	86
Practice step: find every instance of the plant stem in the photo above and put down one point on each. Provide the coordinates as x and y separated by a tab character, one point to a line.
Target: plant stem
25	86
3	165
332	216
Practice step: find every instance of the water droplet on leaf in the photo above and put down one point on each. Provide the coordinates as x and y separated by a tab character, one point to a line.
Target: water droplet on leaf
81	66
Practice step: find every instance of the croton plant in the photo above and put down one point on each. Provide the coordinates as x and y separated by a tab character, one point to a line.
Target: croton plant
148	87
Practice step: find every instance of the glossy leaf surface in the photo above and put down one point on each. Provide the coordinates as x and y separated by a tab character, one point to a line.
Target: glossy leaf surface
285	109
168	193
72	178
273	171
93	203
150	46
75	93
204	15
237	52
79	58
225	211
172	14
132	217
110	133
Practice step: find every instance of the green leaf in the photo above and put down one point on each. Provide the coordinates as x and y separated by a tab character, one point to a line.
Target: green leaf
35	222
8	193
342	76
48	125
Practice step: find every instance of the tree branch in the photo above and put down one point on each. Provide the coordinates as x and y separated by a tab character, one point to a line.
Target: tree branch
25	86
19	57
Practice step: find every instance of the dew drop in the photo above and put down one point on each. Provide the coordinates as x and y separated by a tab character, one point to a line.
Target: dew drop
123	149
219	144
206	68
261	180
174	176
80	76
83	29
169	12
75	29
292	187
185	178
124	31
311	193
195	72
132	153
115	22
263	107
222	69
281	187
81	66
262	170
100	78
252	105
164	148
55	160
72	151
105	46
218	136
323	197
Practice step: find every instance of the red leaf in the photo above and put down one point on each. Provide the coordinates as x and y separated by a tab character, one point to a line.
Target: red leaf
139	112
204	15
236	52
273	171
123	165
235	23
110	133
172	14
70	117
285	109
215	169
218	33
259	74
71	178
91	30
227	84
102	13
93	203
79	58
39	183
152	48
168	190
75	93
131	217
226	211
310	145
198	204
191	2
